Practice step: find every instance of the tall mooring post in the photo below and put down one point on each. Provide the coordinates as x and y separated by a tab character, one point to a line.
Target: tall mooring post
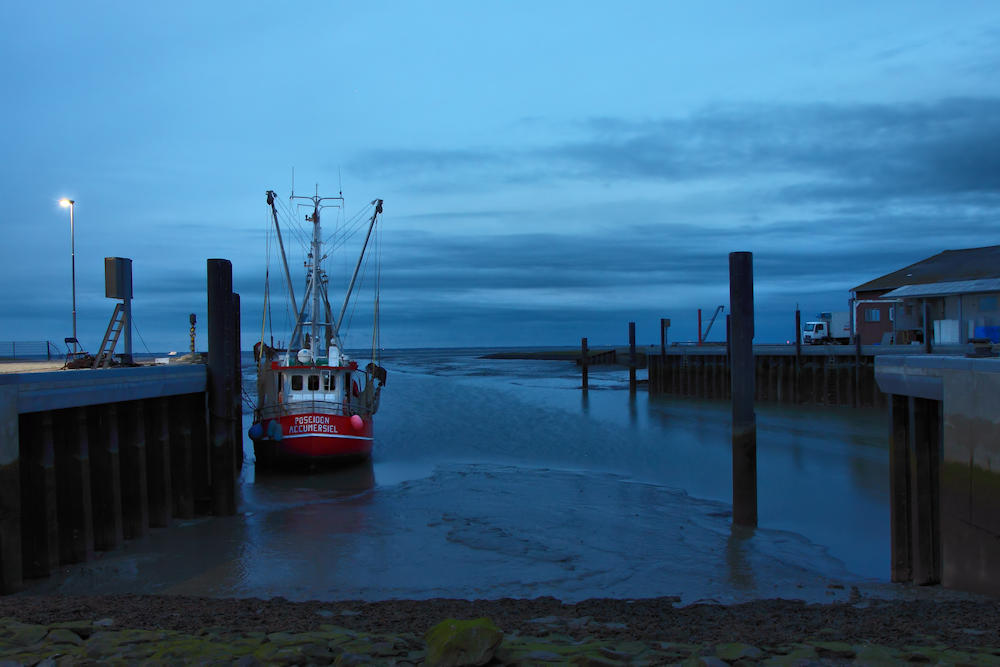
664	325
223	384
798	354
742	382
631	358
928	348
584	358
193	319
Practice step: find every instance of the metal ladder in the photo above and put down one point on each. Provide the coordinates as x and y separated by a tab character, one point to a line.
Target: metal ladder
115	326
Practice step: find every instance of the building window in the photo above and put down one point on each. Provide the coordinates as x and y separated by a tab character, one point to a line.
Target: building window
892	313
872	314
987	303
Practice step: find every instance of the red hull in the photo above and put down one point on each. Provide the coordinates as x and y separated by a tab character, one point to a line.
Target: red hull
315	437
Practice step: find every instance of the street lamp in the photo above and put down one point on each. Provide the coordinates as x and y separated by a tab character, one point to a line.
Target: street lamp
70	204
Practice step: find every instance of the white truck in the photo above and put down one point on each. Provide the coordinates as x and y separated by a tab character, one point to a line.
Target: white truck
828	328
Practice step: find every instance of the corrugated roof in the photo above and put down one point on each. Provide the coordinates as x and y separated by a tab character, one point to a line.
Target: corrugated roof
947	266
945	288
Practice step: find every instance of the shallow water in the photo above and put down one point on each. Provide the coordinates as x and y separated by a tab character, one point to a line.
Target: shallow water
495	478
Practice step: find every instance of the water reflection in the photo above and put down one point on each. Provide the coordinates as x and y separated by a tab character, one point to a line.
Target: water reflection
527	486
738	566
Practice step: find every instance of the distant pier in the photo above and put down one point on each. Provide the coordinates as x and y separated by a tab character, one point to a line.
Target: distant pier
819	375
834	375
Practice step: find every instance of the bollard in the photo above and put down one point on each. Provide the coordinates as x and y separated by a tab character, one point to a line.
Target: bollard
584	358
222	385
744	433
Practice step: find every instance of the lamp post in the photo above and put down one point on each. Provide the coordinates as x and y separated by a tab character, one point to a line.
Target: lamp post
70	204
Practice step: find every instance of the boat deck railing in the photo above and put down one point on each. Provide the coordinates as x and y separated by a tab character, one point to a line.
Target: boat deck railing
298	407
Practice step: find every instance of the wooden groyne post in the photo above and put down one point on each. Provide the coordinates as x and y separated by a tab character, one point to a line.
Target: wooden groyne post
664	325
798	353
223	384
584	358
631	358
744	431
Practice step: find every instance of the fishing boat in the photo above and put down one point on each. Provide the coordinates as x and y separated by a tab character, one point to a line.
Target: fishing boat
314	403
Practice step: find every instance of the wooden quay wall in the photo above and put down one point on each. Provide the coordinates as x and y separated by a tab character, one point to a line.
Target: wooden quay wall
91	458
818	375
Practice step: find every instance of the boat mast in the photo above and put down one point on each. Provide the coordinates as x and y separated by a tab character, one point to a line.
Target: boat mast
317	240
281	245
315	283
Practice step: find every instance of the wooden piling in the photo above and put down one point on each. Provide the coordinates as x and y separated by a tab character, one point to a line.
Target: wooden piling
201	453
928	329
797	381
744	429
74	502
39	512
158	462
664	325
631	358
238	393
925	444
11	568
181	473
132	449
857	371
899	490
105	465
584	359
222	384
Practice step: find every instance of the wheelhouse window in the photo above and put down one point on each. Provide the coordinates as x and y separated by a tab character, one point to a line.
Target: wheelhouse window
313	383
329	382
810	326
296	383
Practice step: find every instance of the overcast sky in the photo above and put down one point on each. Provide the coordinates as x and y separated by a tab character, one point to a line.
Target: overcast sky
550	170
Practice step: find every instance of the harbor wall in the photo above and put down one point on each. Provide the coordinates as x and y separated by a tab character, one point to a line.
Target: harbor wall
944	469
91	458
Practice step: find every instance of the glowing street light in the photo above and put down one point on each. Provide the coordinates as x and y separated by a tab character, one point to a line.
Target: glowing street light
70	204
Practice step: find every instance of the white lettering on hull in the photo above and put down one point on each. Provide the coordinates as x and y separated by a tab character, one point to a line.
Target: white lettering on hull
303	424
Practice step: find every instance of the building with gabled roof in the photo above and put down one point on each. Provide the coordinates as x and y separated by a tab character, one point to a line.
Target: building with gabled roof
961	289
